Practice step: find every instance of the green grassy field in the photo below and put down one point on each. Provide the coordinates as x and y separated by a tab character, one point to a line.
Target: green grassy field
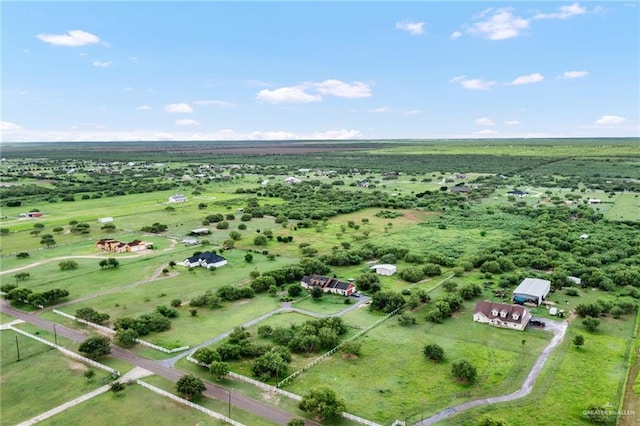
418	387
42	374
570	381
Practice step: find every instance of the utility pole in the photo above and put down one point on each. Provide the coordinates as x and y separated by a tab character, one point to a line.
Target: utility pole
229	413
18	348
55	335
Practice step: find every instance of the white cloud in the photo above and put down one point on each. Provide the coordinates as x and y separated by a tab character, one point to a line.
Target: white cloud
564	12
456	35
101	64
485	121
472	83
413	28
300	93
341	89
134	59
501	25
221	104
144	108
186	122
381	110
129	89
610	119
486	132
511	122
574	74
72	38
178	108
294	95
7	125
527	79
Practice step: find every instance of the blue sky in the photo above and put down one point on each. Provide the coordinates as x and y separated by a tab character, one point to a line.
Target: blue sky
318	70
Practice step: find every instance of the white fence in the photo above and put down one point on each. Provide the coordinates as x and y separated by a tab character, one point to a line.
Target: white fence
359	419
334	350
68	352
189	403
293	396
110	331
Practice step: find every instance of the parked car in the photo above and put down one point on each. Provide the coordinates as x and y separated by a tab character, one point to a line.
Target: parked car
536	323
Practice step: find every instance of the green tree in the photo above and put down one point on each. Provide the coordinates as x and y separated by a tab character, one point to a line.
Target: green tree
464	371
206	355
190	387
96	347
491	421
316	293
351	347
294	290
260	240
591	323
126	338
248	258
434	352
270	364
219	369
322	402
68	265
578	340
116	387
235	235
296	422
22	276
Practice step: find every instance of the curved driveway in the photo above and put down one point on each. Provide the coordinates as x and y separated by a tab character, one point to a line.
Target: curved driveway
558	328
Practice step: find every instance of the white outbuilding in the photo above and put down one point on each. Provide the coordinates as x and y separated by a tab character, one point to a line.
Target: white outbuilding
533	290
385	269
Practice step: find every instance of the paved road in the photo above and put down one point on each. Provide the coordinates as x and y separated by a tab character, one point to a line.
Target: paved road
214	391
558	329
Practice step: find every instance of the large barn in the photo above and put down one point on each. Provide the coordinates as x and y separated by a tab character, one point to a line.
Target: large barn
532	290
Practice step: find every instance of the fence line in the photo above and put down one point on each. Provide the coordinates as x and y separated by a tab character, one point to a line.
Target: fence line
67	352
290	395
189	403
359	419
251	381
334	350
110	331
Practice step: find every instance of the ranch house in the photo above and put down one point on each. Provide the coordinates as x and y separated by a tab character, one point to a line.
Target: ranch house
515	317
178	198
328	284
115	246
206	260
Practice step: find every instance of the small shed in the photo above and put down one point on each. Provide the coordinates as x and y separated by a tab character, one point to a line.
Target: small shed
178	198
385	269
105	220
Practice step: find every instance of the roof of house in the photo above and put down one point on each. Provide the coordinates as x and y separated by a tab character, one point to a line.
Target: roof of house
488	309
460	189
207	257
534	287
325	282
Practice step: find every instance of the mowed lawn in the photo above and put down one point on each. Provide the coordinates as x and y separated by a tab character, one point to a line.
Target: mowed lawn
41	380
571	380
626	207
393	379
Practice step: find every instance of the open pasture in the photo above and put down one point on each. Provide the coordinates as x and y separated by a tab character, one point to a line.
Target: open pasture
42	374
418	386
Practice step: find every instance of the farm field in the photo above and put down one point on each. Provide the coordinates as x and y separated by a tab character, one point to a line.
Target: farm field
419	206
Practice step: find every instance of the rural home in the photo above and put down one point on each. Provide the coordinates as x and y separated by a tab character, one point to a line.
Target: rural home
385	269
533	290
460	189
105	220
501	315
593	201
206	260
328	284
518	193
200	231
291	180
178	198
115	246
